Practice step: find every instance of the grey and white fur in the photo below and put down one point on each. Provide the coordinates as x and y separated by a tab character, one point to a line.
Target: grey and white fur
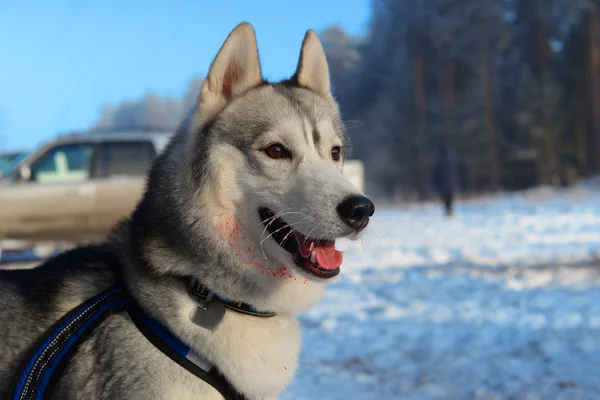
200	217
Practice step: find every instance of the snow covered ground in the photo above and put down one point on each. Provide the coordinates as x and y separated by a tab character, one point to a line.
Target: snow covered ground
500	302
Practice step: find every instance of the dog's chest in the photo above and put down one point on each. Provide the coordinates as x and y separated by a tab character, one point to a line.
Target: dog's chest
259	356
202	392
190	389
258	377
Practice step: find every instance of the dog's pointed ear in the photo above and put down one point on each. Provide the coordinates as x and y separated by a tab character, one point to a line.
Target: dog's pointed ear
313	70
235	69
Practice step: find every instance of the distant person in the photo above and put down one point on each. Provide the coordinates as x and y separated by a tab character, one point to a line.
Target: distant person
445	177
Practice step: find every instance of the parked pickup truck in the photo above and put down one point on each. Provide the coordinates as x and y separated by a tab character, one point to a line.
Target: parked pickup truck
76	187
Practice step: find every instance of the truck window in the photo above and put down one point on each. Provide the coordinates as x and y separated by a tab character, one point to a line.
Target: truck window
126	158
66	163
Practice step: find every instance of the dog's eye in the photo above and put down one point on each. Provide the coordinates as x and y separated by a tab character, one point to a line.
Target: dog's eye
277	151
336	153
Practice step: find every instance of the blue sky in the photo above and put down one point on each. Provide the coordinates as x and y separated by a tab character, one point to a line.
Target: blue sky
61	60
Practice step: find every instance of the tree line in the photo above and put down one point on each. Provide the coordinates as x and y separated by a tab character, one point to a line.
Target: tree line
512	86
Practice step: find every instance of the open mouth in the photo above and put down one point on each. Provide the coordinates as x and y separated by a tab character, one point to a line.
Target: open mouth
315	256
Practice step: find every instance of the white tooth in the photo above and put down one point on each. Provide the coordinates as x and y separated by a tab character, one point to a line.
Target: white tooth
312	246
313	258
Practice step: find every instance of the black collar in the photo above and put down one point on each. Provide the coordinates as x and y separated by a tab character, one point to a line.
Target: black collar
197	289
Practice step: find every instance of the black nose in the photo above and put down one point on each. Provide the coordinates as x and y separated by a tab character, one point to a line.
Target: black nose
355	211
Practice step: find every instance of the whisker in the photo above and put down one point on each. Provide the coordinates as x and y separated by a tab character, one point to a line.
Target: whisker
283	227
370	232
353	121
273	219
269	224
285	211
286	236
321	238
292	230
313	229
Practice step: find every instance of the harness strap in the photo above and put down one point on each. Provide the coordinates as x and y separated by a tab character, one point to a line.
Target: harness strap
50	354
183	355
41	368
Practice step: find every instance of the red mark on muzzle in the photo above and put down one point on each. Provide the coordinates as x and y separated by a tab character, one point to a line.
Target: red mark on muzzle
230	233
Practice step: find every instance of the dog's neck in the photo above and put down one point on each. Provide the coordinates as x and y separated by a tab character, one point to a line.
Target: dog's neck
260	370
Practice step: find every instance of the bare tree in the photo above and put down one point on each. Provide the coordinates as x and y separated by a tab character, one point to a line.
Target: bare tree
151	111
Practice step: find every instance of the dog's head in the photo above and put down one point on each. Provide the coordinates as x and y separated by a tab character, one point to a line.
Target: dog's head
264	163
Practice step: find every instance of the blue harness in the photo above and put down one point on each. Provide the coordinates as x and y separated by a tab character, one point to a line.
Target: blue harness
42	367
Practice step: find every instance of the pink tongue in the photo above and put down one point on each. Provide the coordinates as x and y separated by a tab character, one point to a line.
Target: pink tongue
326	256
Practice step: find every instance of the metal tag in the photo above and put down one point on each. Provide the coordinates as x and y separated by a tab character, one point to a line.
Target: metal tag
208	314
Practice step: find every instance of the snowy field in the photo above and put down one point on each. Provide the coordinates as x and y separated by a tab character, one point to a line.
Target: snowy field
500	302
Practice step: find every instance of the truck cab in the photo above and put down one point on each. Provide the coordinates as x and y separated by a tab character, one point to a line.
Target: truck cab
77	187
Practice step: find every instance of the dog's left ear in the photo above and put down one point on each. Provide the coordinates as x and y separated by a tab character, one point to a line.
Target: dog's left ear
313	71
235	69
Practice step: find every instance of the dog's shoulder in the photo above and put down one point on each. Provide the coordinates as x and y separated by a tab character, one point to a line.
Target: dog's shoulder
87	270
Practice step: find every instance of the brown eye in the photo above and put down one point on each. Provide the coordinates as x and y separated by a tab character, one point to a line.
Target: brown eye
336	153
277	151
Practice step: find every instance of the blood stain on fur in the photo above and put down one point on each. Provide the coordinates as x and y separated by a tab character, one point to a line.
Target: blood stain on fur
229	232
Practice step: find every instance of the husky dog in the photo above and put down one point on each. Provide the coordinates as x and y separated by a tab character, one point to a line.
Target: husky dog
248	198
